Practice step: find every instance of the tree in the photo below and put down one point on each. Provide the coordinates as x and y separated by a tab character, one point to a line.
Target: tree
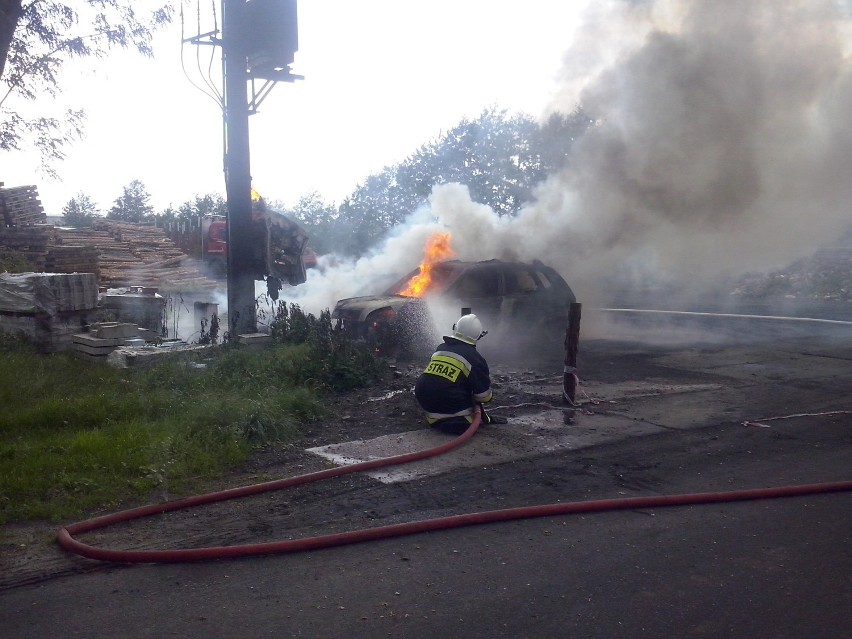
133	205
320	220
37	38
210	204
554	139
80	211
500	157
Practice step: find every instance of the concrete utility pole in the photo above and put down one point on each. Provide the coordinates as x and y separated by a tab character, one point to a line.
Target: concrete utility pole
259	41
242	314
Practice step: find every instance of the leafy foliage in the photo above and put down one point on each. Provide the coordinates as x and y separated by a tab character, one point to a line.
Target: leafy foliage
328	358
87	436
37	39
199	206
132	205
14	262
80	211
319	219
500	157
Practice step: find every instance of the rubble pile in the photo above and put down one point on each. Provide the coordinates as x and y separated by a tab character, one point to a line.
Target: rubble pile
104	338
827	275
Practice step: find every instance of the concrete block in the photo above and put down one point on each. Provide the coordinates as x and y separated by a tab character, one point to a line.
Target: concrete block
148	335
255	339
87	339
108	330
98	351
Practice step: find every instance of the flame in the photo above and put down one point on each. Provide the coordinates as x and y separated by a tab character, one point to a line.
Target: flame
437	249
255	196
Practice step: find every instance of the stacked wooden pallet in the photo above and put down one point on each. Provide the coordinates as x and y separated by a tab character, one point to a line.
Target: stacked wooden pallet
72	259
31	242
20	206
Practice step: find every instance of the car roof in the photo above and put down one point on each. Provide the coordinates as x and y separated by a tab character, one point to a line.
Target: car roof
457	267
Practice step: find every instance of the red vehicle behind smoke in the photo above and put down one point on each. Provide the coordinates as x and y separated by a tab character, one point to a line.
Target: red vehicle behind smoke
282	247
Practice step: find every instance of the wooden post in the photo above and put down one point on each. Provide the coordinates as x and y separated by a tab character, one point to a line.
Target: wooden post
572	343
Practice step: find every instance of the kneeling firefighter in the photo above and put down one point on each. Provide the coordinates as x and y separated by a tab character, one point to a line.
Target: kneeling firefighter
456	380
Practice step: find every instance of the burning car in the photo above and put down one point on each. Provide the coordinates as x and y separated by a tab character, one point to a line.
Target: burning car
531	297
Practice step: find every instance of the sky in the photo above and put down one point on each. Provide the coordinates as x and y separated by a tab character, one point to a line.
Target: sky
382	77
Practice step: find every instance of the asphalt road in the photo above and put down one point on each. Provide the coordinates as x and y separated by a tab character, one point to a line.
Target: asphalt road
777	568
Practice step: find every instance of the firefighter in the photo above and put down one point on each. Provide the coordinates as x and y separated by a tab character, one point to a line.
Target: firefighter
456	380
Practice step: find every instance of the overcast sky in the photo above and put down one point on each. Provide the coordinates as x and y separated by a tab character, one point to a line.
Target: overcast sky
382	77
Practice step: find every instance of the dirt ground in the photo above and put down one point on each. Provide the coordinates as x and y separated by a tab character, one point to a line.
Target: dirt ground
30	554
630	389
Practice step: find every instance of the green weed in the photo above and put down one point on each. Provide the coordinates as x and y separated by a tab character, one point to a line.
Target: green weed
77	436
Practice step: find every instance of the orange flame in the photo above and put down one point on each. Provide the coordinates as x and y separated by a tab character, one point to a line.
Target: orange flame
437	249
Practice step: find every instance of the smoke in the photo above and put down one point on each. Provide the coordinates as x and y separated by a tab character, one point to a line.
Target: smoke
337	278
722	144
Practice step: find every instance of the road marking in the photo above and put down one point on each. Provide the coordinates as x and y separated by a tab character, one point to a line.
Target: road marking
631	411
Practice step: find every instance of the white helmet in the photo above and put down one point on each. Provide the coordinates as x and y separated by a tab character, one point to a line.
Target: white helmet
468	329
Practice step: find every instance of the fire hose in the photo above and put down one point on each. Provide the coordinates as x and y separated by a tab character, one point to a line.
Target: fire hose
66	539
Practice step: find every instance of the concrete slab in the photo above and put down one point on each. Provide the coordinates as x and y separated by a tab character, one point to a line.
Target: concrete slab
526	436
96	342
255	340
112	330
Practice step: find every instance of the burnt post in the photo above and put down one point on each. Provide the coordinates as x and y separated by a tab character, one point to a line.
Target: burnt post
572	343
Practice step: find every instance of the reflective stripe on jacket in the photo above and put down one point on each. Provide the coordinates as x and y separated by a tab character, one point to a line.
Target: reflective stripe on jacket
455	378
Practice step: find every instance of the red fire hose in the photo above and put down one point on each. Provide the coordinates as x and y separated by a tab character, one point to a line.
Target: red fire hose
66	539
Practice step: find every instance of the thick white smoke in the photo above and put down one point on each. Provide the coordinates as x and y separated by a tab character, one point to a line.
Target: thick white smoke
722	144
337	278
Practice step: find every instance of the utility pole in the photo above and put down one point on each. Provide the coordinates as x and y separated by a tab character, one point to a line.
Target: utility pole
259	40
242	314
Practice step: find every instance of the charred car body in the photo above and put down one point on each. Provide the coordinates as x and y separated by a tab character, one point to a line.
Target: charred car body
505	295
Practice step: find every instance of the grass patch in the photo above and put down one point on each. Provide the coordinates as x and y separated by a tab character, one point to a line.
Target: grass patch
77	436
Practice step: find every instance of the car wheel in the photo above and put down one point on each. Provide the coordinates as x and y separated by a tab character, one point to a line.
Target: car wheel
380	334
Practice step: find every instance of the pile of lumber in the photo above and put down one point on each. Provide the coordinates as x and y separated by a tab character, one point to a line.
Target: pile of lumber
136	255
20	206
120	254
72	259
30	242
